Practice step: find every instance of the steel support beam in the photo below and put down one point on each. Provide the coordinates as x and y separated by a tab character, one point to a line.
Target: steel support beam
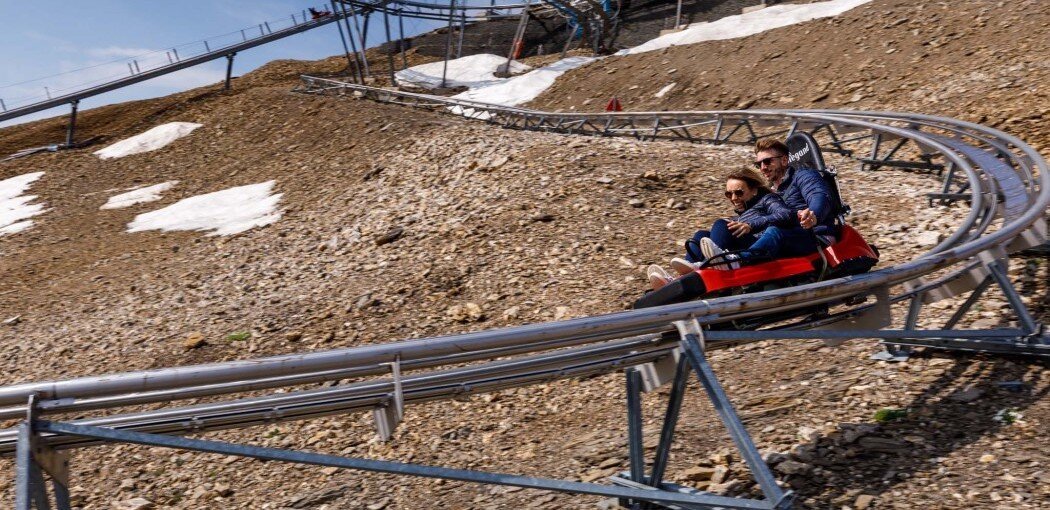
71	130
692	347
390	52
390	467
229	69
448	44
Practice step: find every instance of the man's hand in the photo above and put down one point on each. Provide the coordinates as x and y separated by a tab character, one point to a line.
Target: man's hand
807	219
738	228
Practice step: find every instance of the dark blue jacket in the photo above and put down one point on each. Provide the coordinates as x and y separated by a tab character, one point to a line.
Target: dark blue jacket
804	188
767	209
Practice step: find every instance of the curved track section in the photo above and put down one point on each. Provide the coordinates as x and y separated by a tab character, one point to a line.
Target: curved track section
1005	182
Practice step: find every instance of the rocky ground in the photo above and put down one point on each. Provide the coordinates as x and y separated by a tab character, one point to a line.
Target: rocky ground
401	224
979	61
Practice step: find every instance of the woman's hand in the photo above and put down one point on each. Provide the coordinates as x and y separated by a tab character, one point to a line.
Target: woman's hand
807	219
738	228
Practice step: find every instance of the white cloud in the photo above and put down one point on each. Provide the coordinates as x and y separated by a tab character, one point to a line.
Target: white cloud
189	78
117	52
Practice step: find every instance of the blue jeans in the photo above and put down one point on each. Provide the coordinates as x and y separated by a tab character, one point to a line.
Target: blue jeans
776	242
721	236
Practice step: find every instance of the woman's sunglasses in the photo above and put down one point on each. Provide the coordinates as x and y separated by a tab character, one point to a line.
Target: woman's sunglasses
762	162
735	193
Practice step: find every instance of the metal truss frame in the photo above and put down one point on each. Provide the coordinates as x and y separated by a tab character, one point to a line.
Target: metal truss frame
1006	180
34	457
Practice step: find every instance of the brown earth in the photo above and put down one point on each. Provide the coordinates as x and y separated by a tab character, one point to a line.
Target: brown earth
981	61
529	227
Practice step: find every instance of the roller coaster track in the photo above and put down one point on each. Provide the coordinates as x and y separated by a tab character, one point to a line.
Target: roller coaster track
1004	181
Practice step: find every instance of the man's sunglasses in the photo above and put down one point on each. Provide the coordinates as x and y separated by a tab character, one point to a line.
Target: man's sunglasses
735	193
762	162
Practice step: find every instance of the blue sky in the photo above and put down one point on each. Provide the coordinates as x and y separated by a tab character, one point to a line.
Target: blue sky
44	46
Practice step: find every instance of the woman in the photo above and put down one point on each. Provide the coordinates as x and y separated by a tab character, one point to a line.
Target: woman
760	215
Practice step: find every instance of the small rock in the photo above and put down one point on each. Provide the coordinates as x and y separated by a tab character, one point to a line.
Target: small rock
134	504
604	180
562	312
494	163
13	320
293	336
720	474
465	312
720	459
987	458
194	340
390	236
773	458
127	484
636	203
698	473
882	444
967	395
790	467
808	434
542	217
929	238
380	505
513	312
725	488
365	301
315	499
863	501
651	175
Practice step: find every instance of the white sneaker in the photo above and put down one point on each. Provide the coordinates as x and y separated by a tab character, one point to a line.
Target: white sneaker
658	276
709	248
727	262
682	266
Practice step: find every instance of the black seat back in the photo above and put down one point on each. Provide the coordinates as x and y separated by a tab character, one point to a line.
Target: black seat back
803	152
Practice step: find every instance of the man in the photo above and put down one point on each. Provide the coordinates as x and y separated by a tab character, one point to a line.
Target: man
804	190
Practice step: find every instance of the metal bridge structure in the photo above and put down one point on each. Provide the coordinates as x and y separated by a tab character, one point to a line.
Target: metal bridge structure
1004	181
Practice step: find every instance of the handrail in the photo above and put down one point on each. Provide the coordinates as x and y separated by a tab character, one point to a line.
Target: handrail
167	69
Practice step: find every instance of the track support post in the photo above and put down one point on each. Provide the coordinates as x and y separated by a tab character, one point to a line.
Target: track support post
692	345
32	460
71	130
997	263
388	416
229	69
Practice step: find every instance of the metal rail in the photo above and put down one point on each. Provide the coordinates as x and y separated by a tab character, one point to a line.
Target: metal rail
1004	180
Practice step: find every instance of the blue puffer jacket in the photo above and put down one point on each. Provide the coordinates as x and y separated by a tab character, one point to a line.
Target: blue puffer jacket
767	209
804	188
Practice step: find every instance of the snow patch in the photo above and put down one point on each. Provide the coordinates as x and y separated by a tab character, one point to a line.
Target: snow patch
138	195
519	89
14	206
743	25
665	90
151	140
472	71
227	212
